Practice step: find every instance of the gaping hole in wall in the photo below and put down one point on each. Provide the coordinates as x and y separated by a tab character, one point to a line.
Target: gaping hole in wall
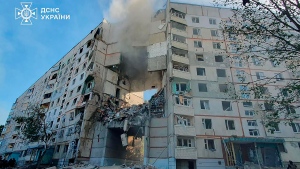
185	164
129	149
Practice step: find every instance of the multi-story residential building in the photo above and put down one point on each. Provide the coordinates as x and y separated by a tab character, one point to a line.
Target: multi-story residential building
192	122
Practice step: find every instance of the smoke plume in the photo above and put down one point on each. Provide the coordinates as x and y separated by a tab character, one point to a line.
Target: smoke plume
131	27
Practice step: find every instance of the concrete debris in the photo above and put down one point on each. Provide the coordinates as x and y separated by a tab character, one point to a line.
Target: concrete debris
134	115
89	166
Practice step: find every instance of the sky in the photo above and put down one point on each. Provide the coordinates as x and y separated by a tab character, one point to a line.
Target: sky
27	52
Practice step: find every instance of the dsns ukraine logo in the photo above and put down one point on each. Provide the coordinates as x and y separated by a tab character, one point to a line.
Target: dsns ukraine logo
26	13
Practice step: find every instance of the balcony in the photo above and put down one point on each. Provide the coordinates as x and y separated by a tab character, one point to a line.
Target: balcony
186	153
179	45
180	59
181	71
47	100
178	19
184	110
179	32
52	81
185	130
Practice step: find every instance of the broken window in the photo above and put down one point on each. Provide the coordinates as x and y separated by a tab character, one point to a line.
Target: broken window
207	124
223	88
212	21
183	120
181	87
296	127
196	31
260	75
78	88
81	49
48	95
209	144
202	87
247	104
218	58
197	44
81	76
201	72
278	77
179	52
179	38
177	13
57	148
89	43
229	124
199	57
195	19
185	142
216	45
251	122
178	26
253	132
221	72
86	98
74	101
249	112
54	76
214	33
181	100
204	104
226	105
181	67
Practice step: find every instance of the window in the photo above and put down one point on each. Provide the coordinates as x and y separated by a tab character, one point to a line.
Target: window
260	75
221	73
180	100
279	77
78	88
196	31
213	32
81	76
76	71
249	112
201	72
281	148
216	45
57	148
252	122
79	60
204	104
253	132
202	87
209	144
183	121
71	92
243	88
218	58
178	38
284	92
212	21
207	124
177	14
81	49
66	148
268	107
234	47
240	75
256	61
199	57
238	61
195	19
73	81
229	124
276	128
247	104
197	44
48	95
296	127
84	65
181	87
74	101
184	142
223	88
226	106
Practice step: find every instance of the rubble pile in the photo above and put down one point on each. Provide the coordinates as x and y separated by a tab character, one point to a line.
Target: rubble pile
111	111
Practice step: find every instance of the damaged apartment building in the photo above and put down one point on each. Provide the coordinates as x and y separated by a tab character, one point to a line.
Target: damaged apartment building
94	98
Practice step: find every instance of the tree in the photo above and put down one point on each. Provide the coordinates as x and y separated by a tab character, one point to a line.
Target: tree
264	32
1	128
36	129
